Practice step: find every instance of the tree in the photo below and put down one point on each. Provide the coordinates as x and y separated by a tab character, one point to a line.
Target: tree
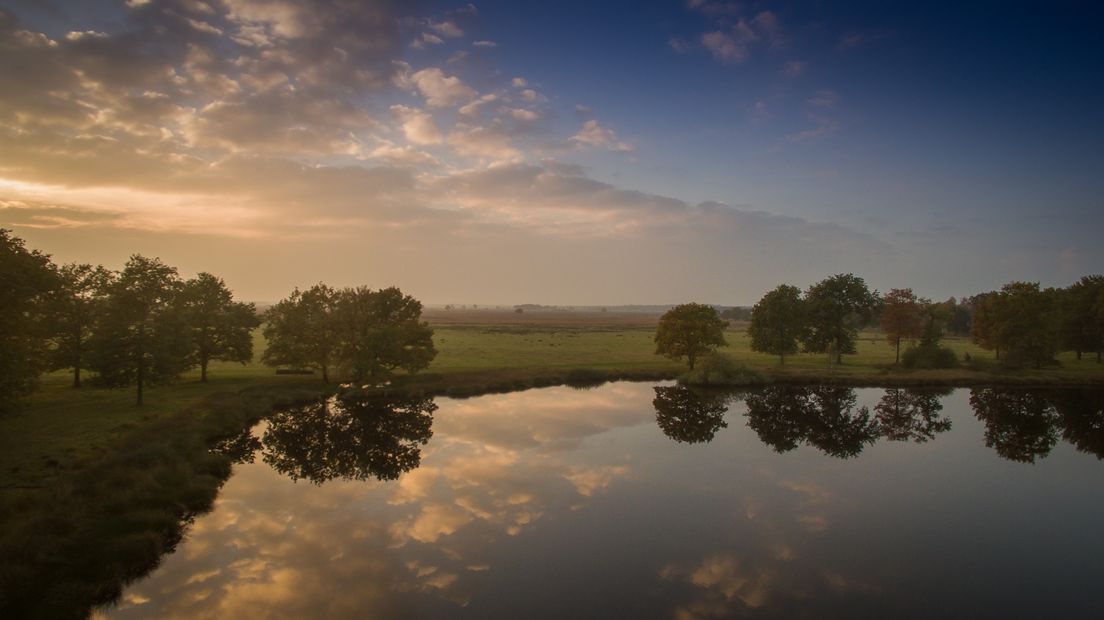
222	329
141	337
837	307
900	317
1027	323
73	307
1080	328
690	331
26	279
301	330
985	321
777	322
381	331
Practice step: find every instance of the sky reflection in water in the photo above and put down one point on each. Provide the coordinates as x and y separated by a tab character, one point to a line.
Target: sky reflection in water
631	500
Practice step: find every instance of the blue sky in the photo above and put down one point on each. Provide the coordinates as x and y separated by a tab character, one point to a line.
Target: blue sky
615	152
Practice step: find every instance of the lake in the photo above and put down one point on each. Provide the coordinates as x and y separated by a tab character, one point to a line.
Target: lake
635	500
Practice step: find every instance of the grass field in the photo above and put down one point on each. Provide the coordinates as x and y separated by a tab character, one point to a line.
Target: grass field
61	426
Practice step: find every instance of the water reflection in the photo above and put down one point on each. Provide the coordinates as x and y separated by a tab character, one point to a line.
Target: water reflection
690	415
353	436
826	417
564	503
1021	425
911	415
1082	413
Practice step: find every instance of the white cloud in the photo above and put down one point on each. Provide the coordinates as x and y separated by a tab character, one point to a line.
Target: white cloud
446	29
484	43
418	126
426	39
593	135
485	143
441	90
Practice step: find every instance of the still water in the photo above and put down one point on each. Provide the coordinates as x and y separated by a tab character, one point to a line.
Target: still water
633	500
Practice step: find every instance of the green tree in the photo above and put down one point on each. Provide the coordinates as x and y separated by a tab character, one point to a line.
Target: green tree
222	329
26	279
690	331
777	322
141	336
301	330
837	307
1080	328
1027	323
381	331
985	321
73	307
901	317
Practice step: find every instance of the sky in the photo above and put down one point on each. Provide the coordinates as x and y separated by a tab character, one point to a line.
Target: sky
570	153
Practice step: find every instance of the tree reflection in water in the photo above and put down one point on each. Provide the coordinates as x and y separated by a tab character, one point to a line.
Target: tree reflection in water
1021	425
690	416
826	417
352	436
911	415
1082	413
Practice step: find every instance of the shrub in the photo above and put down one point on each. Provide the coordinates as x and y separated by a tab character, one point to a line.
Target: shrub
716	369
929	356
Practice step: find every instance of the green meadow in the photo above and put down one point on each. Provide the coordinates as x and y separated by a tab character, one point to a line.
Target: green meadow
61	427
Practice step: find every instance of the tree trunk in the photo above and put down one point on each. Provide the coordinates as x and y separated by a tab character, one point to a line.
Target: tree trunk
325	374
203	370
1099	355
76	376
141	380
690	358
898	351
1079	355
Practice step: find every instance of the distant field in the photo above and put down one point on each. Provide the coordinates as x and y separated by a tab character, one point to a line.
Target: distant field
61	425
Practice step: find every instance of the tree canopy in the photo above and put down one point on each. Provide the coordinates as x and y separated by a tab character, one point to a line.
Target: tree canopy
301	330
381	331
901	318
778	321
26	280
690	331
141	336
221	328
837	307
73	307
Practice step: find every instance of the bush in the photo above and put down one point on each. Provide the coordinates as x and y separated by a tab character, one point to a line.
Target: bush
929	356
716	369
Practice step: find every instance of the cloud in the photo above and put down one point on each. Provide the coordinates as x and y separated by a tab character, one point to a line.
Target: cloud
484	43
446	29
731	43
418	125
593	135
426	39
441	90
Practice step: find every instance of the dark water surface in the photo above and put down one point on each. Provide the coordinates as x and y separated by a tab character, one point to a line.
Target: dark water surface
637	501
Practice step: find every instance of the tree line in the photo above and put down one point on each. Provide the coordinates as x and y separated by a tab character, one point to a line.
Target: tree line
1022	323
145	325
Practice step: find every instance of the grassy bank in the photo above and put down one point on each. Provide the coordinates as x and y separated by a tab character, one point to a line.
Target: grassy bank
93	489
